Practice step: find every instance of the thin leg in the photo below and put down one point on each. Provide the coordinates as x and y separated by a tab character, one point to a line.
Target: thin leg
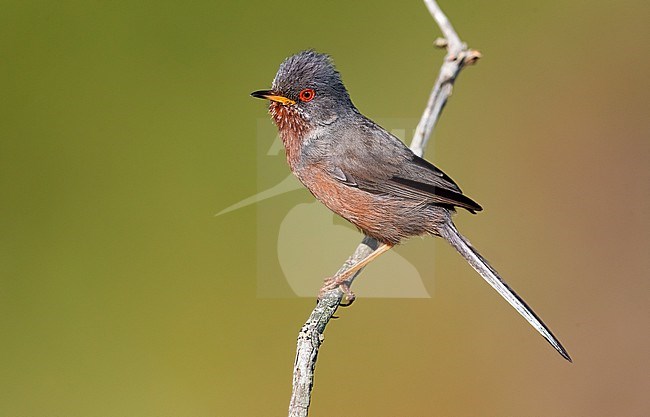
340	280
384	247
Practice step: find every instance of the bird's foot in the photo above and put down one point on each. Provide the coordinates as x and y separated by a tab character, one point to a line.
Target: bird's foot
334	282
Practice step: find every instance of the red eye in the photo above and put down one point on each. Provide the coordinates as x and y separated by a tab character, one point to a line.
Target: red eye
306	95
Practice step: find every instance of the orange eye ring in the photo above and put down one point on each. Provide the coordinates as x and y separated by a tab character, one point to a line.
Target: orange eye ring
306	95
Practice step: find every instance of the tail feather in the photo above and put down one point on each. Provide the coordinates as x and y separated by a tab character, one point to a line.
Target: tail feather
462	245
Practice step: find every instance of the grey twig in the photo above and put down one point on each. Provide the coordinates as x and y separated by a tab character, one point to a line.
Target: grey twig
458	55
311	334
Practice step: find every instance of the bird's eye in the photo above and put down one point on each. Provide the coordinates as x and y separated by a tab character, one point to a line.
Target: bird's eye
306	95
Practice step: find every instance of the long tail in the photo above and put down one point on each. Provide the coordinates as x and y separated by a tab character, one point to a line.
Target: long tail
451	234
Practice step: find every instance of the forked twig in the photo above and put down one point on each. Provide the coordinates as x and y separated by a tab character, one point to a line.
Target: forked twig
311	334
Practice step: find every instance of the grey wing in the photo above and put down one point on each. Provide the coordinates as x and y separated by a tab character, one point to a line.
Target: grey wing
371	159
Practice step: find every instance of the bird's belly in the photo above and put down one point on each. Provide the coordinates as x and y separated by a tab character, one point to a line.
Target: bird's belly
386	218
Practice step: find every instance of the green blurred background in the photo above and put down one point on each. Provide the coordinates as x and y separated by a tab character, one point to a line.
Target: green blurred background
126	125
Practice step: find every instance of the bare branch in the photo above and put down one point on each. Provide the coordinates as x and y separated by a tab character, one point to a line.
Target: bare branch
445	25
311	333
457	57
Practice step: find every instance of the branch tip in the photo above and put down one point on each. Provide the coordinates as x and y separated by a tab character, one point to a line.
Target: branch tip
441	43
472	56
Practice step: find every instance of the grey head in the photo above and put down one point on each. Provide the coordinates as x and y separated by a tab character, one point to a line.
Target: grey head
309	85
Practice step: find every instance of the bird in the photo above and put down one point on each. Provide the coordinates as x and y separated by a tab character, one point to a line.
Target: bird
368	176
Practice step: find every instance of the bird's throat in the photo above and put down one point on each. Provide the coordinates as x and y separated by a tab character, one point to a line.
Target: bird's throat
292	127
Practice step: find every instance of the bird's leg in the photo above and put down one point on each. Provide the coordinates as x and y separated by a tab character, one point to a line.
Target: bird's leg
340	281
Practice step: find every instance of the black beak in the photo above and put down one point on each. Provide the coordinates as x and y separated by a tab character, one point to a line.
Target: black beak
262	93
273	96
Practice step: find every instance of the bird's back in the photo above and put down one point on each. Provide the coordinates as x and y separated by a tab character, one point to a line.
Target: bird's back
369	177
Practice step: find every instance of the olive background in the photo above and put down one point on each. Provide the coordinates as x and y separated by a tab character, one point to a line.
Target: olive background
125	126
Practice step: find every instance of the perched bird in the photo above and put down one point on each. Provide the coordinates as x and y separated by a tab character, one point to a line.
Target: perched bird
368	176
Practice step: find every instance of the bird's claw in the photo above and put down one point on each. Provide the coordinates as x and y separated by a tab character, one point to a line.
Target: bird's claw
332	283
348	295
